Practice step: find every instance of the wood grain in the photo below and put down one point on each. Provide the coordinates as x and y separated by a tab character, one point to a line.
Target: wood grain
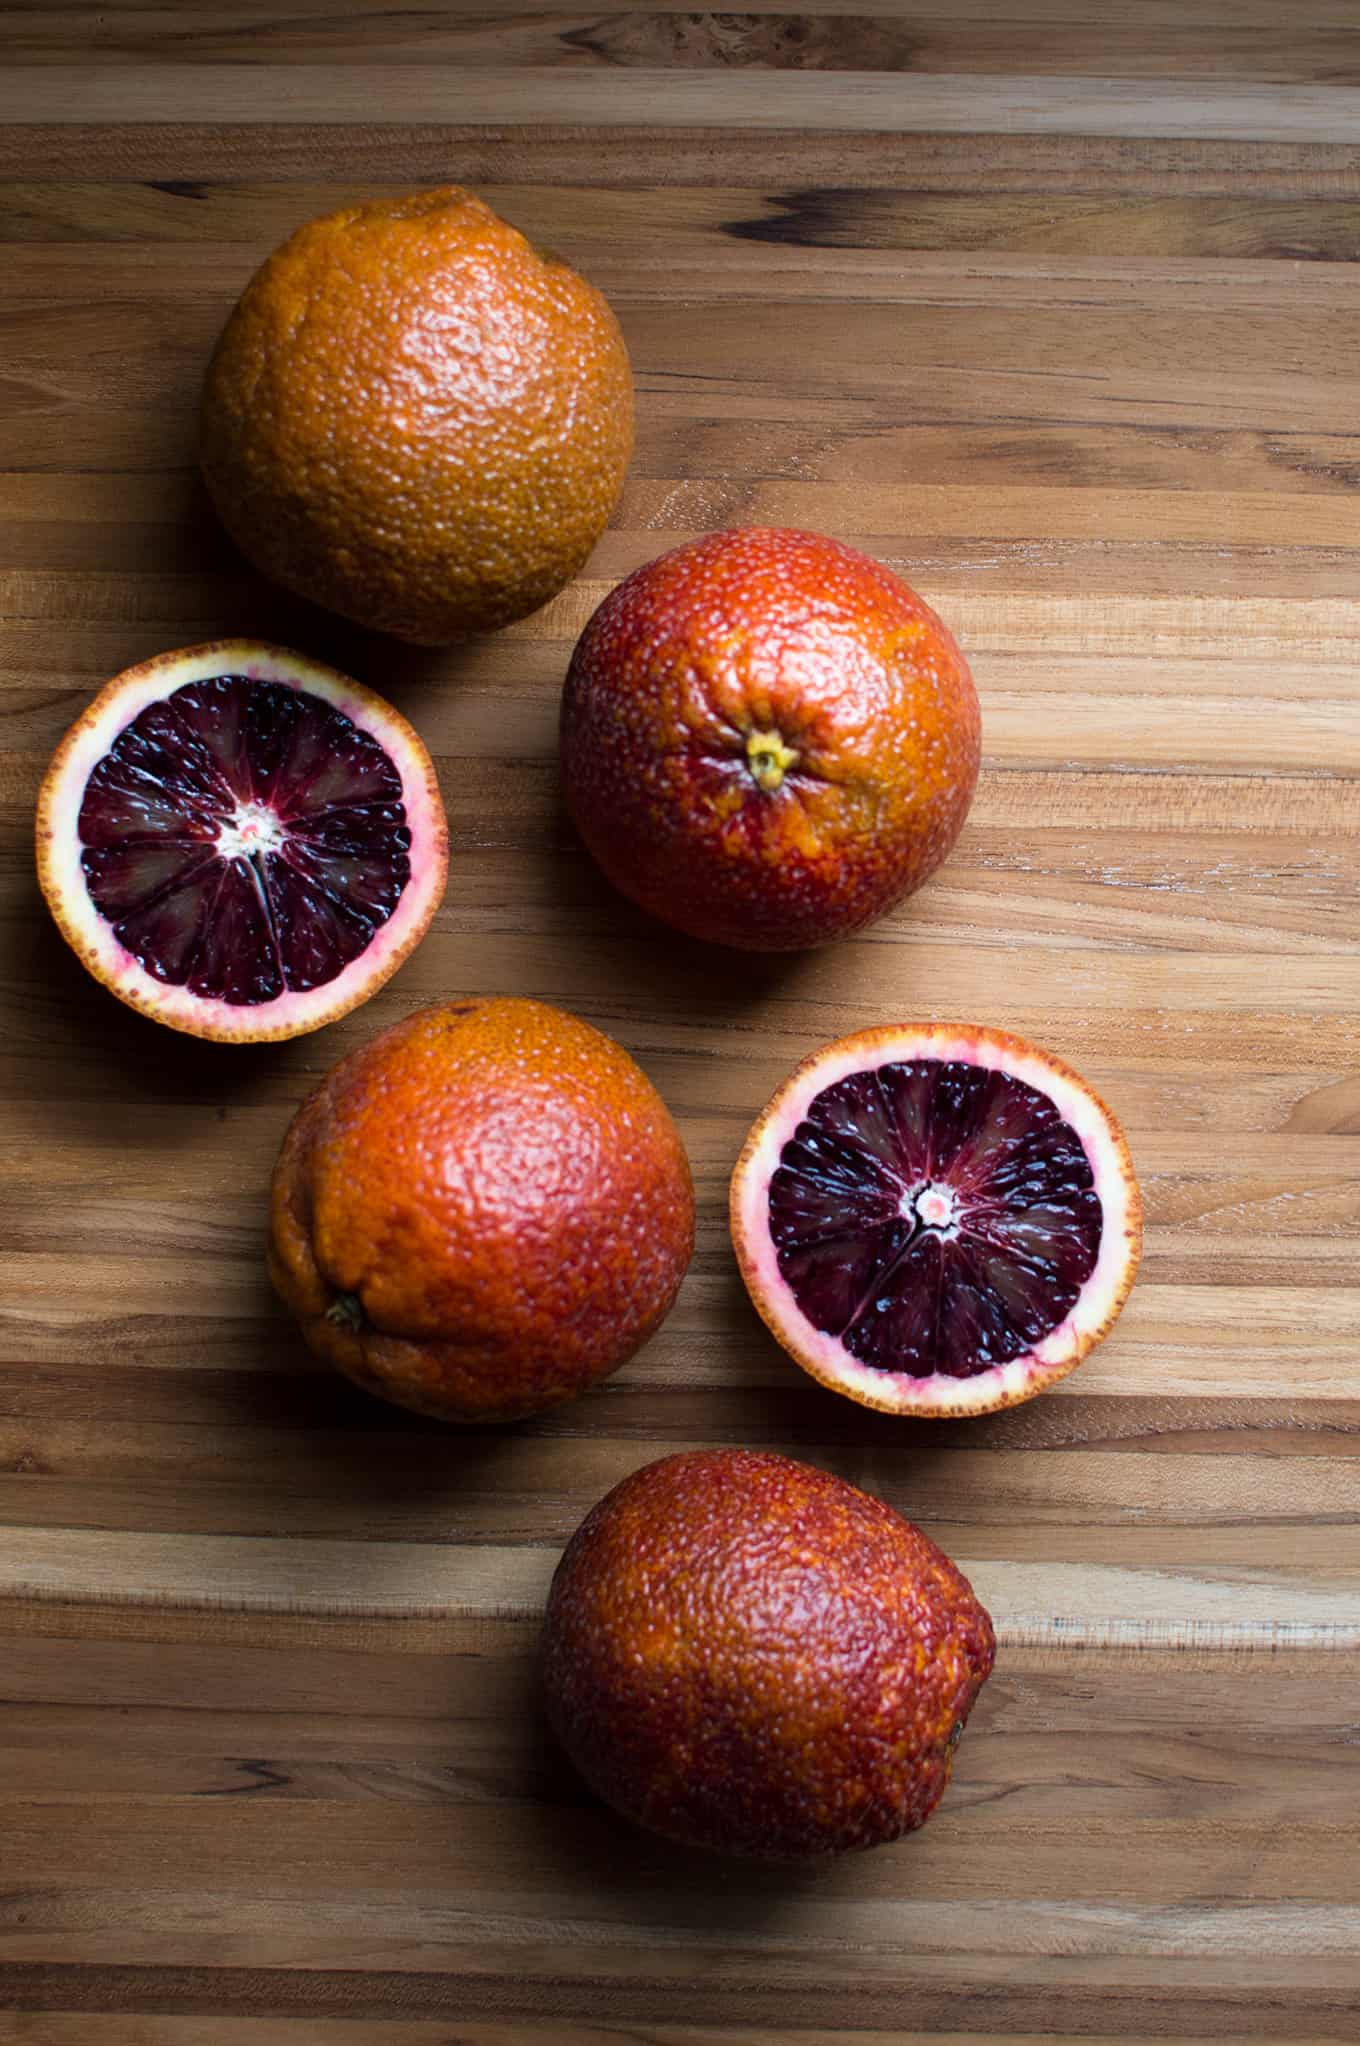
1052	305
1314	43
842	101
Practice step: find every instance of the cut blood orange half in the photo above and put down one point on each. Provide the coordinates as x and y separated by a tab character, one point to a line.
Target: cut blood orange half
936	1219
241	842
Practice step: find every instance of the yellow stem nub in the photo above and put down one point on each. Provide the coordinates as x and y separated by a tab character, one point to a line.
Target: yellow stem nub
769	759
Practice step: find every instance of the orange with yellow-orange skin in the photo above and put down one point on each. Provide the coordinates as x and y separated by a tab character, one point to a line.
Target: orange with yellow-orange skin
768	739
417	419
482	1211
746	1653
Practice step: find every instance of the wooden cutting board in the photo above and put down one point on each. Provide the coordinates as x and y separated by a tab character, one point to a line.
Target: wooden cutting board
1052	305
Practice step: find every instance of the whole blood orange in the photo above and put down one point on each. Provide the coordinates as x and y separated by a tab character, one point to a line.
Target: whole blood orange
416	419
481	1211
936	1219
768	739
241	842
748	1654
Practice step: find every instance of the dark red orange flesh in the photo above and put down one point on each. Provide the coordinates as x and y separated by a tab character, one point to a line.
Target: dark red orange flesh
247	924
936	1216
240	841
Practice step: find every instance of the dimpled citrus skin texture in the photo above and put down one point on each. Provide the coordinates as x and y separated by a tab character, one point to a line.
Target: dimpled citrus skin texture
503	1193
757	632
747	1654
415	419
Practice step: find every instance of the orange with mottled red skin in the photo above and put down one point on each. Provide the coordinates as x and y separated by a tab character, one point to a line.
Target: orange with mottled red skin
416	419
768	739
482	1211
747	1654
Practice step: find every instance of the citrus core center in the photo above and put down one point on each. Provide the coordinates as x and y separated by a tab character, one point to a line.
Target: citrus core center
931	1206
252	828
936	1207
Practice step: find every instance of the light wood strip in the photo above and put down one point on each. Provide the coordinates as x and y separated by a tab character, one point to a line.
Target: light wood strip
821	38
471	1983
152	23
453	1870
521	1493
1036	1604
65	1755
416	1932
849	101
465	1991
711	249
391	1691
89	2028
1149	629
1321	1532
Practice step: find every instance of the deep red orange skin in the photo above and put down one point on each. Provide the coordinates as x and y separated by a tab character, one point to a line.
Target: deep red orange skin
503	1192
754	630
747	1654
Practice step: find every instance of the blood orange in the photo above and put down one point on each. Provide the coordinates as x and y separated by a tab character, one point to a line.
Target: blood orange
767	739
481	1211
417	419
240	842
936	1219
748	1654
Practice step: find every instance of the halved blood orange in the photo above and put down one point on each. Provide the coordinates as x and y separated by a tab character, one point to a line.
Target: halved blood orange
936	1219
241	842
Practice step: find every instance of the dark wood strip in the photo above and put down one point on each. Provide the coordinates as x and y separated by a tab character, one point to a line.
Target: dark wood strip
591	220
1312	43
1172	1994
679	1413
774	161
